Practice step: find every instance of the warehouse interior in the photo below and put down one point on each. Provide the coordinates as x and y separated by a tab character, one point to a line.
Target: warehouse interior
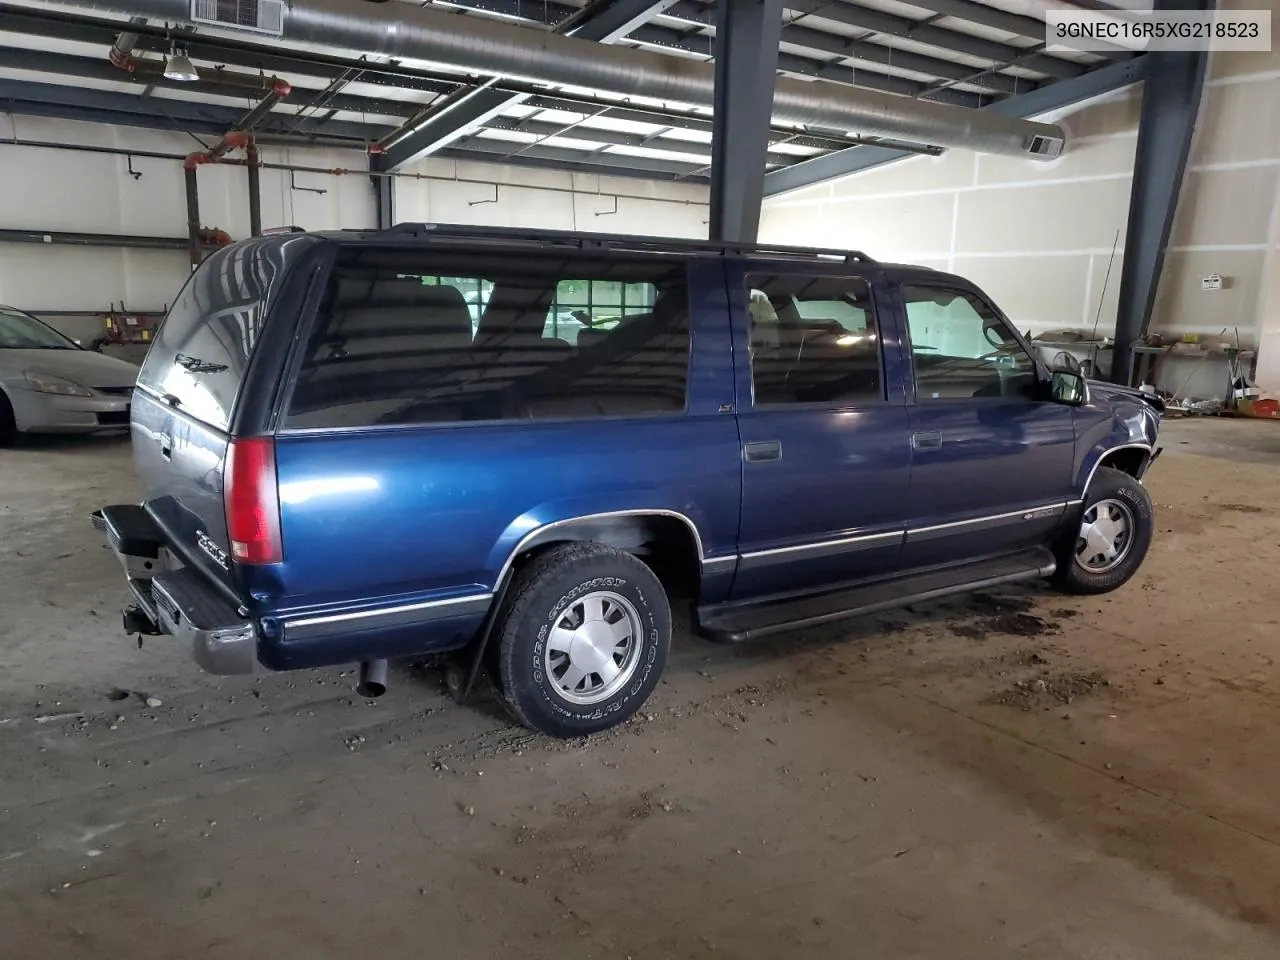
1014	773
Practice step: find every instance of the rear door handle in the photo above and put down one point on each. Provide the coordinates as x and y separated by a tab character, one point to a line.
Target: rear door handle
926	440
166	445
762	451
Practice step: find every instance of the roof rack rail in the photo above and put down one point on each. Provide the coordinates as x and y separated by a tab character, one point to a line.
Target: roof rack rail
608	241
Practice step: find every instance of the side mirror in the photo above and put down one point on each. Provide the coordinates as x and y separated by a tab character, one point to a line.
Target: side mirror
1069	387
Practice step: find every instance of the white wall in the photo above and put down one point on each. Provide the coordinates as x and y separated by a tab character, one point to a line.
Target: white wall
1038	236
529	197
49	189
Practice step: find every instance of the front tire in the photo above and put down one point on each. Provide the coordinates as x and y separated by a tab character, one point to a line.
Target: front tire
583	638
1116	526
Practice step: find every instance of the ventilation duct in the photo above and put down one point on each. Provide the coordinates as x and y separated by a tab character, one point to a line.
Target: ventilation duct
493	47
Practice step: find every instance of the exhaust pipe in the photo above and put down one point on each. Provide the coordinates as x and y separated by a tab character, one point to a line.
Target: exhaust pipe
373	679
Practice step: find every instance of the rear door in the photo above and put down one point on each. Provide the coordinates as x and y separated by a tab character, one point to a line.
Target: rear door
992	453
189	387
823	427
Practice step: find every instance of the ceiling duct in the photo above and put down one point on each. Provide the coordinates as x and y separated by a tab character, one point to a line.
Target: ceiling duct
493	47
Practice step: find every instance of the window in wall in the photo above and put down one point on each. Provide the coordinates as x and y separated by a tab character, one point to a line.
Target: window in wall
813	340
961	348
400	342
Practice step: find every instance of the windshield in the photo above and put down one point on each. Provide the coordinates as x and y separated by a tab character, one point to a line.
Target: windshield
21	331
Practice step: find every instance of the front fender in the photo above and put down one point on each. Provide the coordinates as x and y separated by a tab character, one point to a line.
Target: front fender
1112	421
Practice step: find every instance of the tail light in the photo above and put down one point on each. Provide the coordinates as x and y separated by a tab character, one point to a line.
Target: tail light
252	501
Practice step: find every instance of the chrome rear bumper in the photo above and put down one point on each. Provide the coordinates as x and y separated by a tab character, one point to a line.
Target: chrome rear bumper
176	600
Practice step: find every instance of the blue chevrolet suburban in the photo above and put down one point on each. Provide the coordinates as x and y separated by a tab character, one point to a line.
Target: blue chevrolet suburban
522	445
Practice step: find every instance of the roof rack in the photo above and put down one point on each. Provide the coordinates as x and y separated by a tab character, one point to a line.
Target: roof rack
607	241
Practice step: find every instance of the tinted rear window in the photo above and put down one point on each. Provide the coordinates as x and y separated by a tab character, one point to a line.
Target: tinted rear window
437	337
202	349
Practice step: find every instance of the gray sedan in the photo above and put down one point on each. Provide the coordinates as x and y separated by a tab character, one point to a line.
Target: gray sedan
50	384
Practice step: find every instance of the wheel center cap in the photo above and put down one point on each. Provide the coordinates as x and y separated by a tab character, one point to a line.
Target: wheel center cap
592	647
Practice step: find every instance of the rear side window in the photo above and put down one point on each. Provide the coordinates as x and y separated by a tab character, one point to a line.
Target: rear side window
202	349
813	340
436	337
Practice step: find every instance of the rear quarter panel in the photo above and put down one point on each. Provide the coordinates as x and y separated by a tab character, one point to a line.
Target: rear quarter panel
426	513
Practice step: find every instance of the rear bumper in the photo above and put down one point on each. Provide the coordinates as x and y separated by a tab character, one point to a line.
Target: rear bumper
176	600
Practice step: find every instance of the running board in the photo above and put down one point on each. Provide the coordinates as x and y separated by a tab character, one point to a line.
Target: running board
741	622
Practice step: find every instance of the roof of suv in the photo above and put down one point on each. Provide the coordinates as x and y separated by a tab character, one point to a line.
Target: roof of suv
520	236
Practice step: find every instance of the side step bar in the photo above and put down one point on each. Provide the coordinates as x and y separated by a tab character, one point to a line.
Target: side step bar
741	622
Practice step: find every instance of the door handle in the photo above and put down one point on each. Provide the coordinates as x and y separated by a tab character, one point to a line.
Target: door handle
926	440
166	445
762	451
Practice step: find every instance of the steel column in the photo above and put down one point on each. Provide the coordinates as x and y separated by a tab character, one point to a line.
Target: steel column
255	189
384	190
747	34
193	215
1170	103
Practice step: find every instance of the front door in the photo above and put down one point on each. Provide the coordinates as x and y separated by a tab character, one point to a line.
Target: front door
991	452
825	457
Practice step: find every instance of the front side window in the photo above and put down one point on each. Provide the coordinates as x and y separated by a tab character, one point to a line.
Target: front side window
406	338
813	340
960	347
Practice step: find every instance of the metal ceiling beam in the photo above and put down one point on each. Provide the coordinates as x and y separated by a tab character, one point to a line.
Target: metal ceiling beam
63	25
69	65
540	128
1170	101
248	55
72	65
985	16
498	151
97	68
829	66
746	49
1098	81
1032	28
177	116
921	31
823	44
156	113
603	20
836	45
652	115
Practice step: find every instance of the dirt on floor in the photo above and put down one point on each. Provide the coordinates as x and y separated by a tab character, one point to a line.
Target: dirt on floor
1012	774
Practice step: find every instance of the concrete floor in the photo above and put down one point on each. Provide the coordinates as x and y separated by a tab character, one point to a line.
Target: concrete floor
904	786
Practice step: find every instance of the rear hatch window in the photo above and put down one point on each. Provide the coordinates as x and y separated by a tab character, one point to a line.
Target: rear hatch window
199	357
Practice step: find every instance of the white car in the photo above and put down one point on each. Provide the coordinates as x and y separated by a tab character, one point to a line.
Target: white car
50	384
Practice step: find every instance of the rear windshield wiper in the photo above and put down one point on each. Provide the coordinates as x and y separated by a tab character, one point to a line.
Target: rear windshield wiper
196	365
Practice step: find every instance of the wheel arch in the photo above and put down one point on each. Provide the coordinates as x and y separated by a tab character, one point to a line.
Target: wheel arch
667	540
1130	458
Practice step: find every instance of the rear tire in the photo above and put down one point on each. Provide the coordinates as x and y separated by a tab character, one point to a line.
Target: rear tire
1116	526
8	426
583	637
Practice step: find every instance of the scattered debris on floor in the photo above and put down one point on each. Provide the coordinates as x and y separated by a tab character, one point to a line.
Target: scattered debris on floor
1035	692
